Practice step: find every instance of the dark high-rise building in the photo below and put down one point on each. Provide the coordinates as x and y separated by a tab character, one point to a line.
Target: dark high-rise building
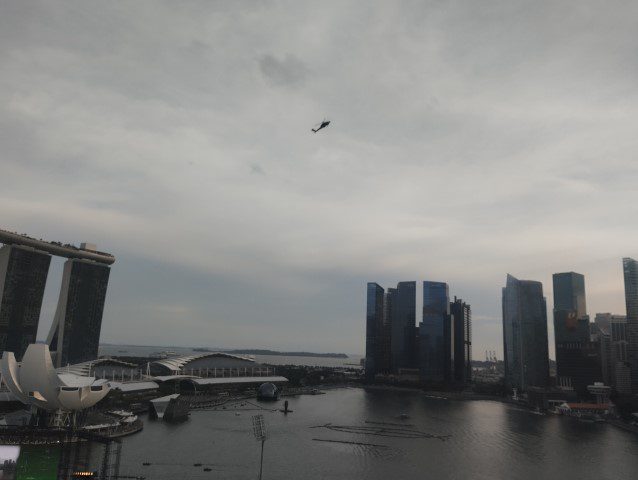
569	293
578	359
630	272
619	364
612	331
75	332
374	329
403	326
436	333
601	334
462	318
23	276
385	360
525	334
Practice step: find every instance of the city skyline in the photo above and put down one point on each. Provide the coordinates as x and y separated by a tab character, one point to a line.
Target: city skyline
465	142
576	303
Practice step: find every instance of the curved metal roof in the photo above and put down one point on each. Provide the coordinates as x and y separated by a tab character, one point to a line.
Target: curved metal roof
85	368
175	364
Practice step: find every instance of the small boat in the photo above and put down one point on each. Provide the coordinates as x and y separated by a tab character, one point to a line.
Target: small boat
404	416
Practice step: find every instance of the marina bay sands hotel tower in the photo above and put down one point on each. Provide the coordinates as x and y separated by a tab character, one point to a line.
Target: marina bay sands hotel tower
24	265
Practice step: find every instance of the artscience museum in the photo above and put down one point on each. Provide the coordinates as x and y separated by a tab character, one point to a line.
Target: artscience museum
35	382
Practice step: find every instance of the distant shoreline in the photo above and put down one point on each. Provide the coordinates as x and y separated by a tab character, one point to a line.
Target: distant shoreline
252	351
242	351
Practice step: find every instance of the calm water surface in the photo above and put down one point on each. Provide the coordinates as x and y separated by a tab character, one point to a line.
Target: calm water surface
487	440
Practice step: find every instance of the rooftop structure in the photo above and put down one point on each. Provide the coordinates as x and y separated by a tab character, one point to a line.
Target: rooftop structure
209	360
238	380
85	369
56	248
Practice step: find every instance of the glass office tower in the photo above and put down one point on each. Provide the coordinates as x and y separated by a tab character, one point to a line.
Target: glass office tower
436	333
374	329
403	326
525	334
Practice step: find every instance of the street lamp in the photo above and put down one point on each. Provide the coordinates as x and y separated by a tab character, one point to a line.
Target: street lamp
259	430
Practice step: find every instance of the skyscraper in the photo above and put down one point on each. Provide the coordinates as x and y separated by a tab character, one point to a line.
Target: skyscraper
578	359
525	334
615	367
403	326
23	275
630	272
374	329
436	332
385	360
601	334
462	318
75	332
569	293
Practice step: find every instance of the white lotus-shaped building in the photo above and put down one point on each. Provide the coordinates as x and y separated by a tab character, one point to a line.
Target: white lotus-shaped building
34	381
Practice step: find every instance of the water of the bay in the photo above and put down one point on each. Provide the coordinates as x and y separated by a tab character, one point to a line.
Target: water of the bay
487	440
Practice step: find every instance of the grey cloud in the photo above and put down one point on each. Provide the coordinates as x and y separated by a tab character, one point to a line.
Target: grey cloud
467	142
257	169
289	71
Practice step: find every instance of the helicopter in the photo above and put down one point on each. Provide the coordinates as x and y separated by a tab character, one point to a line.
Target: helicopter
324	124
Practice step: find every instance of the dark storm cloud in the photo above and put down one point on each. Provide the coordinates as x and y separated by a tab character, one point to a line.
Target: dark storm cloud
469	139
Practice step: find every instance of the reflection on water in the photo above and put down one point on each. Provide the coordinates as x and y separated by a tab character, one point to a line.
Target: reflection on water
482	440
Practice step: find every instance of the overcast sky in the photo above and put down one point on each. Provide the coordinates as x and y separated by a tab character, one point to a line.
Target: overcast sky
468	140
